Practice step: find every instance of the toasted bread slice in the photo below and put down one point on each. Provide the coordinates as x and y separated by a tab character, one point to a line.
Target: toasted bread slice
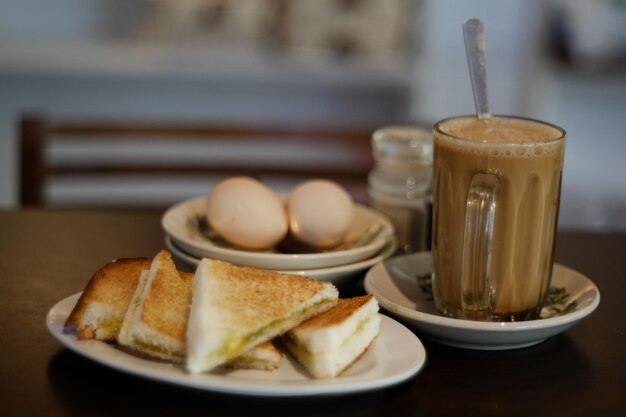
155	322
328	343
100	310
236	308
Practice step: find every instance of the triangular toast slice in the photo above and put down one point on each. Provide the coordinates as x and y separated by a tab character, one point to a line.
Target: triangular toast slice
156	319
235	308
100	310
328	343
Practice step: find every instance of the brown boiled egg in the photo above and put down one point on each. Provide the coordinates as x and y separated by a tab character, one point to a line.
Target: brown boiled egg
320	213
246	213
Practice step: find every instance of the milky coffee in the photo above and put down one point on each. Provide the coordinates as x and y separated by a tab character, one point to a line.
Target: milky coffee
525	160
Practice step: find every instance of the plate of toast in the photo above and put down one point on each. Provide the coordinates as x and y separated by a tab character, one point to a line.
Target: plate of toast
233	329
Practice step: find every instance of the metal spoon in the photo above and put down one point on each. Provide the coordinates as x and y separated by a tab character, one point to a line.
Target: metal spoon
474	36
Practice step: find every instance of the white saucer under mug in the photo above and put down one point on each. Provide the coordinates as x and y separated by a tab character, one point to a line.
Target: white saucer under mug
396	284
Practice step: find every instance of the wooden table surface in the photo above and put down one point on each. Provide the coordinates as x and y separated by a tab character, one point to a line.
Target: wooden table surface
46	255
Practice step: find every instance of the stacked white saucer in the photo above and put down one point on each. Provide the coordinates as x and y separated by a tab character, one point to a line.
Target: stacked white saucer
369	241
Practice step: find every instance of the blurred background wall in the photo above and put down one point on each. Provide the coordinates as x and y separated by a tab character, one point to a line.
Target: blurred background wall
327	62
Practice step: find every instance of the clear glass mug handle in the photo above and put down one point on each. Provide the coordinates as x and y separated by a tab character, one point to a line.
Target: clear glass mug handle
480	209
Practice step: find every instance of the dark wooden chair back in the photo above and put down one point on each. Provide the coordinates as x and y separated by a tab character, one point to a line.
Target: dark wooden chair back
37	167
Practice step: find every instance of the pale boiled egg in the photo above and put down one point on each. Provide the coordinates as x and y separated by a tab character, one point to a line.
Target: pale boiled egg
320	213
246	213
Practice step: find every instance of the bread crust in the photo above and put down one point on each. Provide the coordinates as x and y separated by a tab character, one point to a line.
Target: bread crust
166	307
265	294
342	311
113	286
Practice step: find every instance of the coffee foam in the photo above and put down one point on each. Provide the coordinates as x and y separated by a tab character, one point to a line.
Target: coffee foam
529	150
501	130
500	137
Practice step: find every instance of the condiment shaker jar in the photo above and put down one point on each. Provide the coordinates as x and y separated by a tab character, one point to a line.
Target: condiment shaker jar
400	183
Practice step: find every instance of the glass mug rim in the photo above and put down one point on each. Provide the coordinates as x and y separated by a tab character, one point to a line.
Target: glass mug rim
559	138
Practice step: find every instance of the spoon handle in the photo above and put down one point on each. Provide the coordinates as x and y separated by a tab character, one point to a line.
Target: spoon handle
474	36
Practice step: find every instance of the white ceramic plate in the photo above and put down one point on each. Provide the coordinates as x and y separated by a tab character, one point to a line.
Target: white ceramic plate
338	275
395	284
394	356
178	222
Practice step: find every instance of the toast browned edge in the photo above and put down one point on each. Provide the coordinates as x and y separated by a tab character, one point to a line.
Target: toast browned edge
344	308
166	307
113	284
245	285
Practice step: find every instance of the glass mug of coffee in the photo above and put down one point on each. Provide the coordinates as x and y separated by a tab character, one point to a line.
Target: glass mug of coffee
497	184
